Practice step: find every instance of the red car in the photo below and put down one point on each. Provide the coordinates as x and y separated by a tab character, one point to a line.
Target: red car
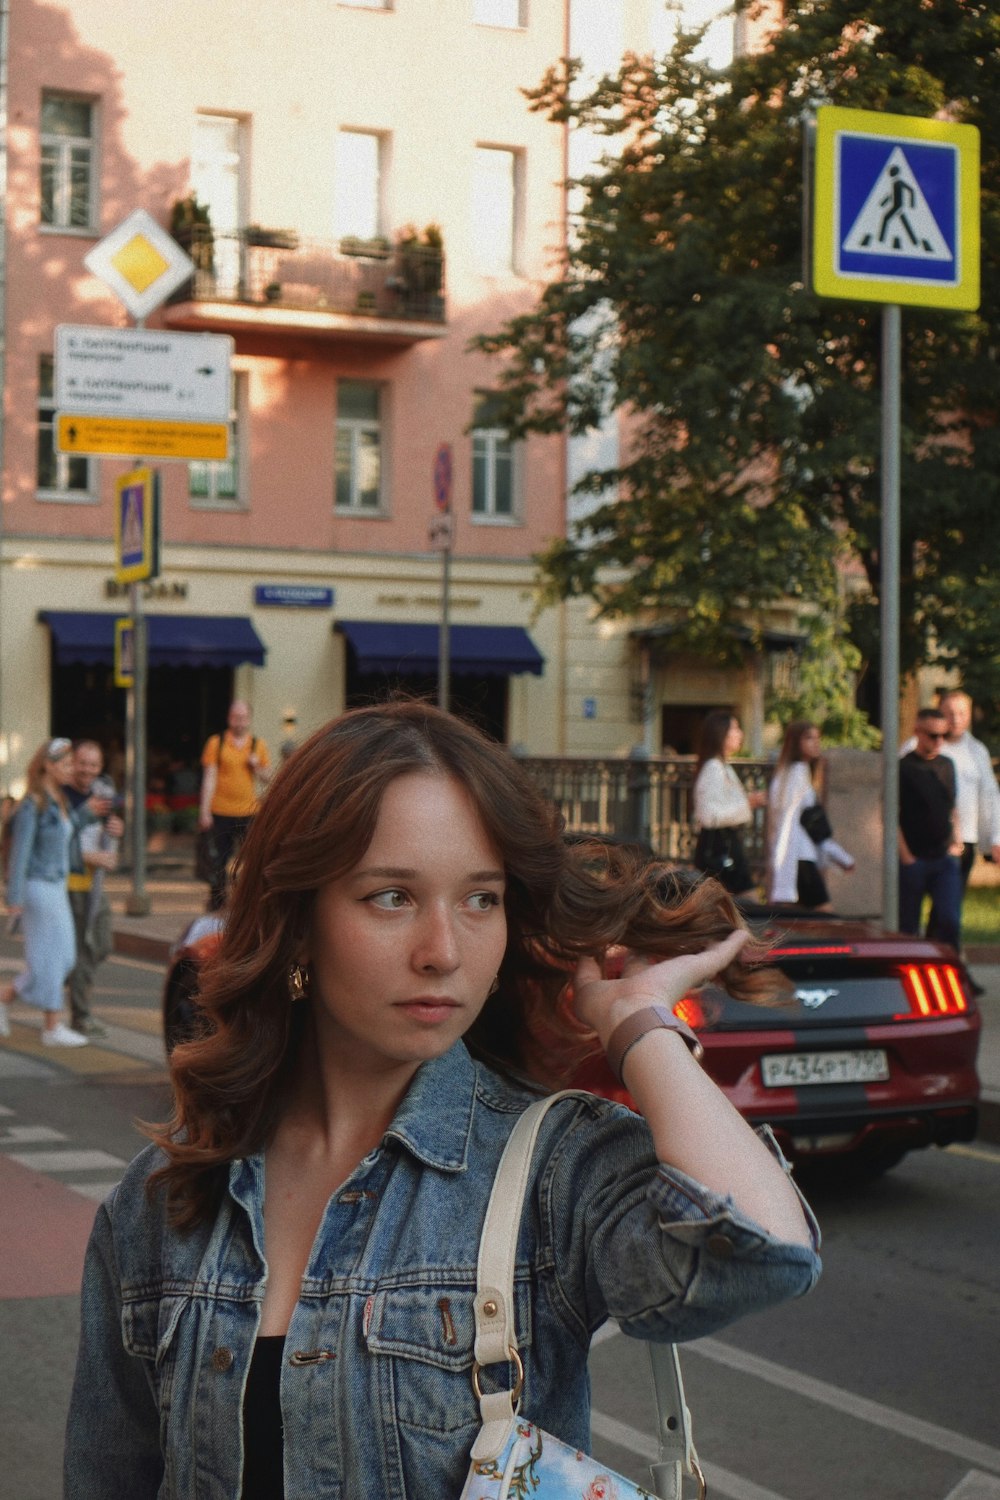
873	1056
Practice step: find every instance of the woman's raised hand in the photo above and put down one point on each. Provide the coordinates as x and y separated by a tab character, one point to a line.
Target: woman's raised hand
602	1003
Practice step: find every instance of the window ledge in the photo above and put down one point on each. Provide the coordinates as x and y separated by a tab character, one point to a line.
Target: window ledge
67	229
355	513
67	497
219	507
479	519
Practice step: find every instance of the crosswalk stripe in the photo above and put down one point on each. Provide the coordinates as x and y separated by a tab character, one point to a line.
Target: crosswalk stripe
98	1191
66	1161
29	1135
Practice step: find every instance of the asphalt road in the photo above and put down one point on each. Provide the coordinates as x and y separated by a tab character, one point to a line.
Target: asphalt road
882	1385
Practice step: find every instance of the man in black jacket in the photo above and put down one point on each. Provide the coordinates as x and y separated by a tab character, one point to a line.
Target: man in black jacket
930	844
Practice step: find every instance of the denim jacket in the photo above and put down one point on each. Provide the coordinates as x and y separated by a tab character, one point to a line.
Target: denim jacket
40	844
376	1391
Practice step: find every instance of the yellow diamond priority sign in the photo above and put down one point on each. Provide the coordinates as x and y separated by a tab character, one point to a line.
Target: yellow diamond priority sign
140	262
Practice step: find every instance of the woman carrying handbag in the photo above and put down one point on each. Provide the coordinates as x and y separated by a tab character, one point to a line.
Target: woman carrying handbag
801	840
722	809
281	1298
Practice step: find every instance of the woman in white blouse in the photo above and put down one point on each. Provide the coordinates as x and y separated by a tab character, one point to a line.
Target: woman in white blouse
797	862
721	807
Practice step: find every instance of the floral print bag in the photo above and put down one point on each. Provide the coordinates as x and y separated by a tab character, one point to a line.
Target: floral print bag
512	1458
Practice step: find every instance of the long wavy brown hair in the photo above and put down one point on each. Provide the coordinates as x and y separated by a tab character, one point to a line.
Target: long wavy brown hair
562	900
37	786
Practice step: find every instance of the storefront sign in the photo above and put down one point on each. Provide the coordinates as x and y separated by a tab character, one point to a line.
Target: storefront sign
293	595
158	589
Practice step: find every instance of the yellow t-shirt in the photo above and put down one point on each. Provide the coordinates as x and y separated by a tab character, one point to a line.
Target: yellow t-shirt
235	786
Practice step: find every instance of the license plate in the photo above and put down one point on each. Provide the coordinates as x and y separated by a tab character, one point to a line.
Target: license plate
796	1069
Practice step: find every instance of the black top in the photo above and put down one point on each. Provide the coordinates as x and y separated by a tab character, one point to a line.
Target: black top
926	800
263	1439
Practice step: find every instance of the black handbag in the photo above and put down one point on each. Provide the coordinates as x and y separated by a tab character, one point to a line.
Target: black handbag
816	823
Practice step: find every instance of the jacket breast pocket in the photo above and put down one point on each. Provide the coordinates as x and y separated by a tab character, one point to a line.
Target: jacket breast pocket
149	1329
428	1335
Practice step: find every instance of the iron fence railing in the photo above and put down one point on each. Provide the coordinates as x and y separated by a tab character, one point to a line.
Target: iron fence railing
281	268
650	799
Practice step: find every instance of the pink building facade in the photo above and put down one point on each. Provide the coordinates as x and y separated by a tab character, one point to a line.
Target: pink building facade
351	127
377	192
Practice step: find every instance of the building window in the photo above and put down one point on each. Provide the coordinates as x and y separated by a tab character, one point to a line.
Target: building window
357	184
59	476
359	446
219	485
494	464
499	12
67	167
495	209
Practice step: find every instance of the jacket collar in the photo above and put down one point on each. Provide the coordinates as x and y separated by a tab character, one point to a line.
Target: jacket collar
435	1118
433	1123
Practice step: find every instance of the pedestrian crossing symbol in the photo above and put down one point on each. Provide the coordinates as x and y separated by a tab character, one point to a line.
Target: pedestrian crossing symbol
896	219
896	209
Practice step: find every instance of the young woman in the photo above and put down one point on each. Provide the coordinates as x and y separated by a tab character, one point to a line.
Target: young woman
37	893
797	861
279	1294
721	807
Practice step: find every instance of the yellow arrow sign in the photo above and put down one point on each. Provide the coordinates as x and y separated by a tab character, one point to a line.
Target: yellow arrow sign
129	437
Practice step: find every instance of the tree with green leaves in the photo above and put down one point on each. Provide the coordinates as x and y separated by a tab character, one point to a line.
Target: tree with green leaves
752	461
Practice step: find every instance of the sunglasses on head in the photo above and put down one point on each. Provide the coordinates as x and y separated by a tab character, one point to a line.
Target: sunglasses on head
934	734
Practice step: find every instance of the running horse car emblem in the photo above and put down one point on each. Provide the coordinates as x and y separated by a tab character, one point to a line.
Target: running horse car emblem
813	999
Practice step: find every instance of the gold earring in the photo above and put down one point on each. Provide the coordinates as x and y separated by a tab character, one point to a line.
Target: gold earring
298	983
494	986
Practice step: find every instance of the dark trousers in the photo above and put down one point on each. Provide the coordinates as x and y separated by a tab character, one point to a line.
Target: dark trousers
941	879
967	860
229	834
93	944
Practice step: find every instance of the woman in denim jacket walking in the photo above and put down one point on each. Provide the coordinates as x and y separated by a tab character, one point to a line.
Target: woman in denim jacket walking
278	1297
36	891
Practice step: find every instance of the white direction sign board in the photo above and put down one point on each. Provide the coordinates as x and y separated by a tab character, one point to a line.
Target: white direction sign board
140	372
140	262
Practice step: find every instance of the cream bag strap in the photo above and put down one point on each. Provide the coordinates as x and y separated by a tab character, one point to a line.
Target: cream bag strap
496	1336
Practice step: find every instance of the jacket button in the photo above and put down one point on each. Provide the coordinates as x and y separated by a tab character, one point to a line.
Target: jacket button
720	1245
222	1359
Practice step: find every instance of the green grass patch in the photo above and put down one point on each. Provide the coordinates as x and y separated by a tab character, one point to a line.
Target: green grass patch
981	915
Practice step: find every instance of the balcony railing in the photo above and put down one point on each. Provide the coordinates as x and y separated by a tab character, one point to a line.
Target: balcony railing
650	799
281	269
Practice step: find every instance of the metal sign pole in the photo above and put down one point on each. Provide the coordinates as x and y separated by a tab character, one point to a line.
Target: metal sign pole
137	903
889	590
444	643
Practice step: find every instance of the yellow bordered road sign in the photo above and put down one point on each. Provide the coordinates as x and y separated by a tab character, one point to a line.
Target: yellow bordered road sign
131	437
137	526
124	653
896	209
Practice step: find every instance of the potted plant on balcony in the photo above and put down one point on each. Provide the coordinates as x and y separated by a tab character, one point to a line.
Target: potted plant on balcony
191	227
375	248
420	266
271	239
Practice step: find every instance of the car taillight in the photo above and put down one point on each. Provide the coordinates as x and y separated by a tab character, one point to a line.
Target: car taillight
934	990
689	1010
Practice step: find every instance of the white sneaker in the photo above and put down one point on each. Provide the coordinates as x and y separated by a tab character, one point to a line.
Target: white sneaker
4	1019
63	1036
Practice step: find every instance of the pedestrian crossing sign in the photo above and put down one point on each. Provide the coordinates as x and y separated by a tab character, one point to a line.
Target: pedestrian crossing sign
137	526
895	209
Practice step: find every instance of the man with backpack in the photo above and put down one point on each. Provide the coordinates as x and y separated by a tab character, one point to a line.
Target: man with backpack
233	763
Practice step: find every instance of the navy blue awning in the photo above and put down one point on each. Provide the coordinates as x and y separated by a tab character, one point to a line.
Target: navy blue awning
174	640
486	650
